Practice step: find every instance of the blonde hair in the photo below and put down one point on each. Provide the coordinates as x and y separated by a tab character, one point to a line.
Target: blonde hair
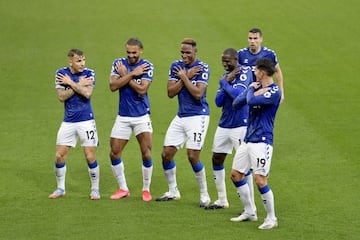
189	41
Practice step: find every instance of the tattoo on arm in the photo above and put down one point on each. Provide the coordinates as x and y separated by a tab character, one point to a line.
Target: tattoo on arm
64	94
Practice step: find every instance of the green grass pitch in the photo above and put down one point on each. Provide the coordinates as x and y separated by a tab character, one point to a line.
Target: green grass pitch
316	153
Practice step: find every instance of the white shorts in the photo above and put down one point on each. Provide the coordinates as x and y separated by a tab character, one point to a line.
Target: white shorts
125	126
226	139
256	156
69	133
191	130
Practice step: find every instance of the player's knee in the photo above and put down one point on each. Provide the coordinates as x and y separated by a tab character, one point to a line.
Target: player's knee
236	175
218	159
165	157
193	156
146	155
168	154
114	153
260	181
60	157
145	151
90	157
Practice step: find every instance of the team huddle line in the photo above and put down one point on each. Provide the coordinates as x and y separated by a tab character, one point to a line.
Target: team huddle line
247	94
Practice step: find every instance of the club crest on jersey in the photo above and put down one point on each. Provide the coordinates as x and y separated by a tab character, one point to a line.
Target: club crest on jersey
267	94
138	81
243	77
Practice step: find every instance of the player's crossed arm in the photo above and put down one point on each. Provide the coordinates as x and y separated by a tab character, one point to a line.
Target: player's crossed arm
84	87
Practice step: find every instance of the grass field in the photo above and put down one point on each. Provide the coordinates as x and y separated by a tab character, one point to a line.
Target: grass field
316	152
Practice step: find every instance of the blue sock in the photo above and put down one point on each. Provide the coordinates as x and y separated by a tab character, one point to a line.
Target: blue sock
60	165
116	161
218	168
198	166
169	165
147	163
264	189
93	165
240	183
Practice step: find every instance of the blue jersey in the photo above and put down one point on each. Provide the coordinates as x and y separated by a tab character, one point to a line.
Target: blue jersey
132	104
227	92
262	111
188	105
246	58
77	107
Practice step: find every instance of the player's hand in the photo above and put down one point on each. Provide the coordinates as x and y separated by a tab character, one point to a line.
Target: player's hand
255	85
121	69
179	71
193	71
140	70
86	81
231	76
63	79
